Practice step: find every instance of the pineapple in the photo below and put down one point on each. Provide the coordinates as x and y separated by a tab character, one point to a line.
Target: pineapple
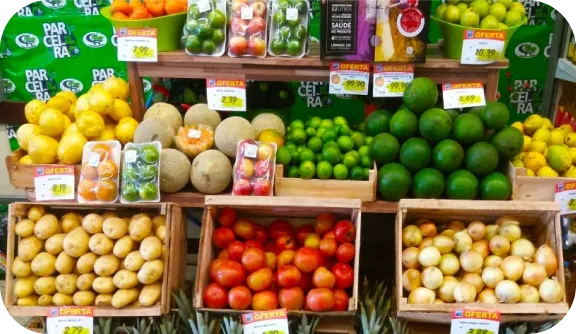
305	327
231	326
374	309
397	326
143	326
194	321
527	328
168	324
105	326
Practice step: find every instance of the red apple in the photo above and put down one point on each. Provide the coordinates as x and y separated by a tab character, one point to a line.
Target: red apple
238	45
302	231
256	26
242	187
345	231
245	169
238	26
262	187
227	217
262	168
324	223
257	47
244	228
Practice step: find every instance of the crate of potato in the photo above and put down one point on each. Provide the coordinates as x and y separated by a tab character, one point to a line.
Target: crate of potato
503	256
265	253
122	259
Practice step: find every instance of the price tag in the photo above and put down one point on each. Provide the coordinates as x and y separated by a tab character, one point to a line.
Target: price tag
566	197
390	80
54	182
139	45
291	14
195	134
70	320
94	159
349	78
250	151
475	322
463	95
226	94
482	47
266	322
130	156
204	6
247	13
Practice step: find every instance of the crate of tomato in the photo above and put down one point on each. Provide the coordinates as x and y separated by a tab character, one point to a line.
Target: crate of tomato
264	253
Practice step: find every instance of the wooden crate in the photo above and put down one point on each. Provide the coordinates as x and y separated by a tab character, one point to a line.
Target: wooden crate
263	210
529	188
174	250
539	220
22	176
296	187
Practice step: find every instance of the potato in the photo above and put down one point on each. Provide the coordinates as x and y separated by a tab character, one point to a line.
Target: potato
103	285
44	264
65	263
46	227
115	228
86	262
31	300
36	212
45	301
103	300
151	248
159	221
76	242
109	214
53	245
92	223
24	286
61	299
161	233
151	271
29	247
140	228
134	261
106	265
85	281
70	221
135	304
100	244
123	247
24	228
150	294
125	279
124	297
66	283
45	286
84	298
20	268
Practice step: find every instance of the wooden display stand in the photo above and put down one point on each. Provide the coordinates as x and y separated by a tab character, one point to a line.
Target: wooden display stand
529	188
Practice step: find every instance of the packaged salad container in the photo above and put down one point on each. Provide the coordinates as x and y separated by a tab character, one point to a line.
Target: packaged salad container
204	33
140	172
99	177
289	28
248	28
254	168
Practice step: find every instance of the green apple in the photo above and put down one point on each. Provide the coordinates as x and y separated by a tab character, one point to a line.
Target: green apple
482	7
489	22
470	18
499	11
518	7
506	3
452	14
462	7
513	18
440	10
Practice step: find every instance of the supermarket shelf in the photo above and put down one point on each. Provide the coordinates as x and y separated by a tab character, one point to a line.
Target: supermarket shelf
566	70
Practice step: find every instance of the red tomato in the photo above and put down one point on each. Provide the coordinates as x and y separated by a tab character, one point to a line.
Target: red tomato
260	280
323	278
307	259
271	260
224	254
261	234
235	250
324	223
253	259
265	301
345	253
271	247
302	232
222	237
344	275
329	235
279	228
285	242
215	296
213	267
244	228
340	300
291	298
306	282
345	231
227	217
239	298
285	257
229	273
253	244
328	247
320	300
288	276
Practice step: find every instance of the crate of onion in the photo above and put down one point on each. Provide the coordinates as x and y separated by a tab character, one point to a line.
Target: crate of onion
485	255
265	253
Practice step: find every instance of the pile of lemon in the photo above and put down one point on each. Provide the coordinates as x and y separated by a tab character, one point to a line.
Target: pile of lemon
548	151
58	129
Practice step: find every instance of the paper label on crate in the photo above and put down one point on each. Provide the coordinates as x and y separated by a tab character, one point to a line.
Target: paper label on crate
266	322
204	6
250	151
54	182
475	322
482	47
70	320
94	159
390	80
246	13
566	197
139	45
130	156
349	78
291	14
226	94
463	95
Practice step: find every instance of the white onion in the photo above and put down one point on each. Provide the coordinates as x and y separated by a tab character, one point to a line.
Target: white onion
475	280
551	291
410	258
513	268
534	274
499	245
477	230
462	242
512	232
411	279
508	292
411	236
546	257
449	264
457	226
444	244
482	247
488	296
429	257
426	242
493	261
448	233
491	276
432	278
438	301
471	261
491	231
523	248
464	292
446	290
422	296
529	294
428	229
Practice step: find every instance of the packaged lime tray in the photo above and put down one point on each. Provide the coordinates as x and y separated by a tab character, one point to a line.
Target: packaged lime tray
248	28
140	172
99	177
254	169
204	33
289	28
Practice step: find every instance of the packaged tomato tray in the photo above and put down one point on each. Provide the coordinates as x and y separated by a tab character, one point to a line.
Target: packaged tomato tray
99	177
248	28
254	168
140	172
289	28
204	33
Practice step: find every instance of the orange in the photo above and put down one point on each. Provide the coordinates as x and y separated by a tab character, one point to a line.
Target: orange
89	172
155	7
135	3
120	6
106	190
104	150
175	6
140	13
120	16
107	169
86	190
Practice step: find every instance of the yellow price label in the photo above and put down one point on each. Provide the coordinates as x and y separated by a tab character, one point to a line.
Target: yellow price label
397	87
141	52
231	101
354	85
274	331
61	189
487	54
469	99
572	204
76	330
479	331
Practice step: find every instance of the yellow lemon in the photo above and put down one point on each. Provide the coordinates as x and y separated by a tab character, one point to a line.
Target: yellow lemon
52	122
72	113
26	160
70	148
534	161
570	139
82	105
518	163
567	128
25	133
90	124
42	149
546	123
559	158
271	136
33	109
108	133
572	151
67	122
542	134
69	95
60	103
117	87
121	109
101	101
73	128
556	137
530	173
95	87
547	171
533	123
519	126
521	156
570	172
125	129
527	142
537	146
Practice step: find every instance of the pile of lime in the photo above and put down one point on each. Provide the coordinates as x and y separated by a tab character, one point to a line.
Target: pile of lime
482	13
140	170
205	29
325	149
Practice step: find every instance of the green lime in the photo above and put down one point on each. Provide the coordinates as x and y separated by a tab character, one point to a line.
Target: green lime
310	132
394	181
378	122
495	115
358	138
218	36
495	187
284	33
283	4
293	23
366	161
345	143
297	124
435	125
364	151
300	32
193	44
508	142
481	158
149	154
290	145
148	172
428	183
350	160
307	170
318	157
448	155
329	135
293	172
283	156
298	136
130	192
339	120
279	18
324	170
208	46
415	154
315	144
217	18
355	154
404	124
357	173
469	129
191	26
205	31
315	122
368	140
294	153
326	123
420	95
330	144
320	132
294	47
306	154
344	130
130	173
340	172
366	173
278	46
385	148
300	148
149	191
331	154
462	184
300	5
193	12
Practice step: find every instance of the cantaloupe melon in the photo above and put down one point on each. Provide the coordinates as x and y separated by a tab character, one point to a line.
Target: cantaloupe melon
231	131
201	114
174	170
153	129
167	112
211	172
268	121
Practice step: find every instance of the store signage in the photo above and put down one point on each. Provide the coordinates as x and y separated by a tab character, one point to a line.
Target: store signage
226	94
266	322
390	80
475	322
349	78
70	320
482	47
54	182
137	44
463	95
566	197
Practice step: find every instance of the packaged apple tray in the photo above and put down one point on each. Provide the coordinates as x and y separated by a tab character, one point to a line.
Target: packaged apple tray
288	31
140	172
204	33
248	24
254	168
99	175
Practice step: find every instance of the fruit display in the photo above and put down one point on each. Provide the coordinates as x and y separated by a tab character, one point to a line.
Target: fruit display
482	14
99	177
281	264
97	259
248	28
289	28
204	33
477	263
138	10
140	173
254	169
